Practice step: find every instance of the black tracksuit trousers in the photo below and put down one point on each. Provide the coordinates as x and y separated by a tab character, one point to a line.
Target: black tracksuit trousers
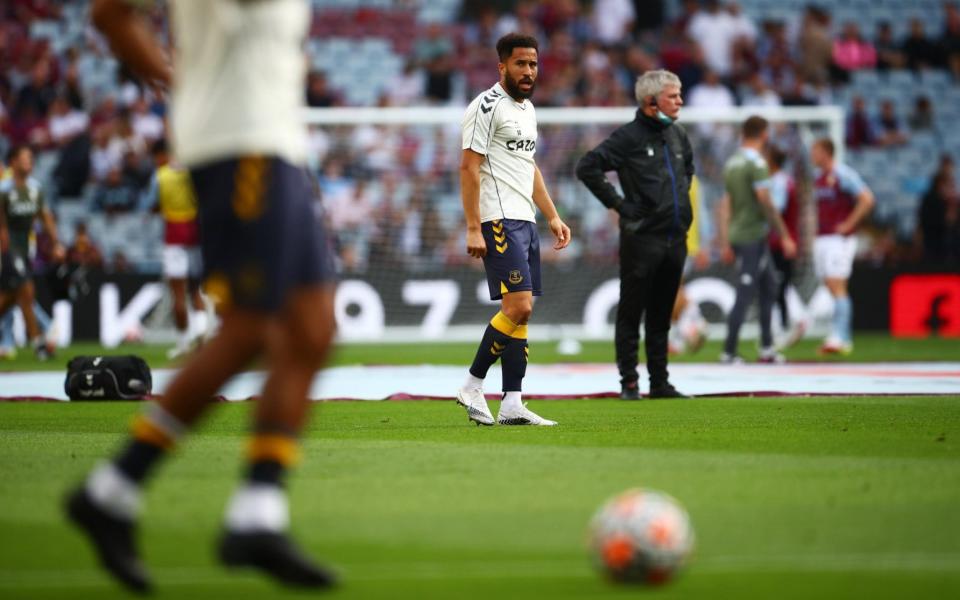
651	266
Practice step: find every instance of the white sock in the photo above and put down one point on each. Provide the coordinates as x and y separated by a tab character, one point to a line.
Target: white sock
198	324
113	492
210	312
689	318
511	402
258	507
473	383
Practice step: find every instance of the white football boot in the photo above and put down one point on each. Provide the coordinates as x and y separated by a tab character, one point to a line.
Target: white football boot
523	416
475	403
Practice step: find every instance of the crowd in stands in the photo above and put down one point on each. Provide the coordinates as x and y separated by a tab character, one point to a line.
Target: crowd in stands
391	192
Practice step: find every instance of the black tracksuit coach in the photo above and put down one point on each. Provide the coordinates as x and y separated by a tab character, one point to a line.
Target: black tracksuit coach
654	162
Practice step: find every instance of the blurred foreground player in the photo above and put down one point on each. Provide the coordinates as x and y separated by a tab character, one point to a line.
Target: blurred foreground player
237	127
501	189
843	201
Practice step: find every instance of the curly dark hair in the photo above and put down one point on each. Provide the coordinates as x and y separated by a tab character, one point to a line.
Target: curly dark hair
507	43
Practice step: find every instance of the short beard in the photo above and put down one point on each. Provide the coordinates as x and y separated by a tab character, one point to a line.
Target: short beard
513	88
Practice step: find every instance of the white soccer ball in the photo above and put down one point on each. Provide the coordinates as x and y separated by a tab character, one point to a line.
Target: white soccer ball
641	536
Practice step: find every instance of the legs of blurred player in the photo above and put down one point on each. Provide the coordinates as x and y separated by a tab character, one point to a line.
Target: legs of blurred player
296	345
181	317
106	507
833	260
203	316
257	516
24	296
191	315
43	345
687	327
840	339
755	278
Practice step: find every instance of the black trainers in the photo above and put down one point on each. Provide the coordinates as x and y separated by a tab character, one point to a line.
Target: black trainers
112	539
665	390
630	391
276	555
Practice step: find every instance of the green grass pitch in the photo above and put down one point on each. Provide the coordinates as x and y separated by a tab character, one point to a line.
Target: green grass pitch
790	498
869	348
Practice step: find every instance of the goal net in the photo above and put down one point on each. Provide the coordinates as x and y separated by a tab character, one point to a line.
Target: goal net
389	182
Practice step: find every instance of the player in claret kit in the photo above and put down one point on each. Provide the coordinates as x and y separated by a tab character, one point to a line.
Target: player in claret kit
843	201
783	194
501	189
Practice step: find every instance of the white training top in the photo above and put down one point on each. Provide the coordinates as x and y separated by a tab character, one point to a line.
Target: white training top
239	79
505	132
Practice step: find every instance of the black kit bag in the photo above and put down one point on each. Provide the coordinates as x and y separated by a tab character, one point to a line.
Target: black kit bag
108	378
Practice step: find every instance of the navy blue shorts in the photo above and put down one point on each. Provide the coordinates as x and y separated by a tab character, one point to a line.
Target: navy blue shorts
513	257
260	235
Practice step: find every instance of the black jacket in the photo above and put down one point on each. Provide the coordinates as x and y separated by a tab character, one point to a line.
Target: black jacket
658	181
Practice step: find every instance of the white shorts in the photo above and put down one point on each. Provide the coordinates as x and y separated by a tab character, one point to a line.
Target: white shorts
181	262
833	256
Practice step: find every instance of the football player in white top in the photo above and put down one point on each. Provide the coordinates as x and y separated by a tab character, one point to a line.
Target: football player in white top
501	190
238	81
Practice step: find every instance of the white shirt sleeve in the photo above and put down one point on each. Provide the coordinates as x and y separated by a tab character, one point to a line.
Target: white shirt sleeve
479	123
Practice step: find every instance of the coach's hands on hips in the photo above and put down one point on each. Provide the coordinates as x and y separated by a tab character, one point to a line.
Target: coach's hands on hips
476	245
561	232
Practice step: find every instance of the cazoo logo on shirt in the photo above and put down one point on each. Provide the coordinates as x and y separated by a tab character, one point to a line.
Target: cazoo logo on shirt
521	145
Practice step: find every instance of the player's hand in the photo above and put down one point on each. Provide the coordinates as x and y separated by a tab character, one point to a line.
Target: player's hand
629	211
844	228
726	254
476	245
561	232
789	247
58	253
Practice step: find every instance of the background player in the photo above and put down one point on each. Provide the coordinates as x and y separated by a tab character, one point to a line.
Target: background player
22	202
843	201
783	194
745	211
181	251
688	328
501	188
237	125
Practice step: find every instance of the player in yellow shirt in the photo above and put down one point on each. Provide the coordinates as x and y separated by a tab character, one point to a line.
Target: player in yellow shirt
173	193
688	329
